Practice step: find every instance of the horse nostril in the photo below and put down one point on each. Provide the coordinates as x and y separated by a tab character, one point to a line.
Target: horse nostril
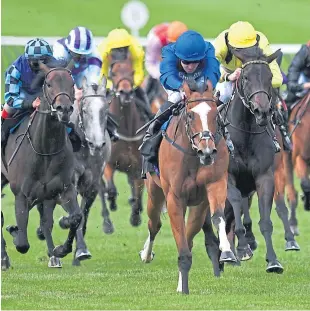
200	153
214	152
59	109
91	145
103	144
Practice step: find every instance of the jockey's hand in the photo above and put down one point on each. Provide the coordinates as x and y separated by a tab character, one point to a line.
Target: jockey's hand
235	75
36	103
307	85
77	93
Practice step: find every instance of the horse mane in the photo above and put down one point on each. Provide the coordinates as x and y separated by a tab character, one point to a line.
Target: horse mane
52	63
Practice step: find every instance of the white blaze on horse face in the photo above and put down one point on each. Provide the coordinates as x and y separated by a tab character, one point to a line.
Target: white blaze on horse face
95	132
202	110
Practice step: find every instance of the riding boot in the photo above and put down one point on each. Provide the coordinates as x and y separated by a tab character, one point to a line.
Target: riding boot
112	128
143	103
281	119
271	131
226	135
152	138
74	137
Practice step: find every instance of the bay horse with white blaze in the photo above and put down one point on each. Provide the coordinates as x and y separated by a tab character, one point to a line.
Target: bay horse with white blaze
193	163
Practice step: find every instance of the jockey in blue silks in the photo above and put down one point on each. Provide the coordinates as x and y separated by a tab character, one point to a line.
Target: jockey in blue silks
190	59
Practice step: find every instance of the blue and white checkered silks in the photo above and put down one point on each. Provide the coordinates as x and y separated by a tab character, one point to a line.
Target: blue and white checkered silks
37	48
80	41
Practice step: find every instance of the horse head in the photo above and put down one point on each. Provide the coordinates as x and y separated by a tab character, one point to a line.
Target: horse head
254	85
93	114
201	122
122	76
58	91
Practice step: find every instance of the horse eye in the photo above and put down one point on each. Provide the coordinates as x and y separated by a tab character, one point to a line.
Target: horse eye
48	85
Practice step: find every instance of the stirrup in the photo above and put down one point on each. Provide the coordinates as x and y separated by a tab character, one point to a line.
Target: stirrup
277	145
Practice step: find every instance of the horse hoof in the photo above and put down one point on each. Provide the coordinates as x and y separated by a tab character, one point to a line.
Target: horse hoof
40	234
292	246
274	267
108	227
23	249
82	254
135	219
145	258
245	254
113	207
60	251
253	245
12	230
64	222
295	230
76	263
54	262
227	256
5	263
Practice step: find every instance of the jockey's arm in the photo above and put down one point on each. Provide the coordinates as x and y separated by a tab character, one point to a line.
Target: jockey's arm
12	97
152	56
295	69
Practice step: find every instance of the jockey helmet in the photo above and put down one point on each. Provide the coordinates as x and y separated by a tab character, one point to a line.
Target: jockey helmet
242	35
118	38
190	46
175	29
37	48
80	41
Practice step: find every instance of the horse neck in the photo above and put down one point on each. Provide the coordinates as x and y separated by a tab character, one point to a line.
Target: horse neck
128	117
48	135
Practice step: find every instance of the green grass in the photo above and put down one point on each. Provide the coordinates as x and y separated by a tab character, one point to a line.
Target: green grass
115	278
283	21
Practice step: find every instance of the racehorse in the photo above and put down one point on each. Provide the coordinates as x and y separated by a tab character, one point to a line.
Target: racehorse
251	169
41	172
125	155
299	125
90	122
193	162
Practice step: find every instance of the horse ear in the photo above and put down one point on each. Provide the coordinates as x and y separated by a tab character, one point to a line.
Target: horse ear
274	56
238	54
186	89
103	85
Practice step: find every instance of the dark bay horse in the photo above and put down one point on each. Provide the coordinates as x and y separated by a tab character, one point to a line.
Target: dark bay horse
193	163
252	168
125	156
42	170
299	124
90	120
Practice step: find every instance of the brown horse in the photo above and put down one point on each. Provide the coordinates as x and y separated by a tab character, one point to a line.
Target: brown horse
125	155
299	124
193	163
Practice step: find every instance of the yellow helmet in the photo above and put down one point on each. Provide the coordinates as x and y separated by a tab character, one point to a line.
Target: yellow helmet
118	38
242	35
175	29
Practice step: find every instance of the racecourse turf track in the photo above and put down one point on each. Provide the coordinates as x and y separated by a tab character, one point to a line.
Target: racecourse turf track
115	278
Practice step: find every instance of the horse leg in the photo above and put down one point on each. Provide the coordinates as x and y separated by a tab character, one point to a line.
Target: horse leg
212	245
282	210
136	186
302	171
46	211
68	200
247	222
234	197
81	251
108	227
111	189
19	232
292	195
5	260
217	194
265	192
155	201
176	210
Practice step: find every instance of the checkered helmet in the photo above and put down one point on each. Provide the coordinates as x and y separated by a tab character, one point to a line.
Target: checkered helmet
37	48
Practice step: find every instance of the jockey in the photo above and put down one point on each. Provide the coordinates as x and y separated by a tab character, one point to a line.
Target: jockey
190	58
158	37
79	46
299	75
119	45
19	97
242	35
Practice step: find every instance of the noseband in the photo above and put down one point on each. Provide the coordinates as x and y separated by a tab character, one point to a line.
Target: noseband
246	100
